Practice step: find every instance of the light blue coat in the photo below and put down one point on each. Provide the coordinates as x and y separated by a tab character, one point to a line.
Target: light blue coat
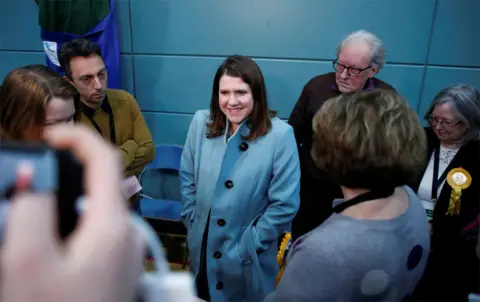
246	218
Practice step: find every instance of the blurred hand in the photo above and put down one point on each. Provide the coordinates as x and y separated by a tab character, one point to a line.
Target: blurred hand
101	261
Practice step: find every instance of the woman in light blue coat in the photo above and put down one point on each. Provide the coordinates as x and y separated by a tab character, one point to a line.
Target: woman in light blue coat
239	185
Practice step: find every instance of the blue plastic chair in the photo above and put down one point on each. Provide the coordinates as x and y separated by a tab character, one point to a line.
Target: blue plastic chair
164	214
167	157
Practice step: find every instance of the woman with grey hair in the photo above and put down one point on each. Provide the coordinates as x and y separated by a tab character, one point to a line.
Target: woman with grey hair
450	190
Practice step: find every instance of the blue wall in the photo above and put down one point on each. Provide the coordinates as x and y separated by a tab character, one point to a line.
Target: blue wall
171	49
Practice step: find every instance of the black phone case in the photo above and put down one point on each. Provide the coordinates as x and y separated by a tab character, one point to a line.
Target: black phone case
70	188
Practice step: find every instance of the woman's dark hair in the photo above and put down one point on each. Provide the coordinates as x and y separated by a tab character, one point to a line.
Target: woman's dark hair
24	95
260	118
79	47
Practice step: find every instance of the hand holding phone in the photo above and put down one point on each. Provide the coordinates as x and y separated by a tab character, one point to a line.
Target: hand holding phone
102	258
56	172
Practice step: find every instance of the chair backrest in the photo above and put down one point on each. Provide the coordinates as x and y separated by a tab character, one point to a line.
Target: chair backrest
166	157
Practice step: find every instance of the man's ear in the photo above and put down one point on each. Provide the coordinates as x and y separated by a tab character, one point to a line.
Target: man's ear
373	72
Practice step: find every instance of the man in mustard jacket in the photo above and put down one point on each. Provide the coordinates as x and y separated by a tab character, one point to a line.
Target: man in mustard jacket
113	113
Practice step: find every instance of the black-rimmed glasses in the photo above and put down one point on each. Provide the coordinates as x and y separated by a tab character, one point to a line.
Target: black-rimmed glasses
353	71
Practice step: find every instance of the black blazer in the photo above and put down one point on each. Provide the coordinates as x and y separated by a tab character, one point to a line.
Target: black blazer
449	231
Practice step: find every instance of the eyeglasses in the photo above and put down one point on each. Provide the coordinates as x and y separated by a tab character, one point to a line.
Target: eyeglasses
353	71
434	121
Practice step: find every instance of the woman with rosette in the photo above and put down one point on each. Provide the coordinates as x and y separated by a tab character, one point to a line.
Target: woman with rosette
450	188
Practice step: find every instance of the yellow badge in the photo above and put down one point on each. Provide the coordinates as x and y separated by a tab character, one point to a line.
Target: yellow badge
459	179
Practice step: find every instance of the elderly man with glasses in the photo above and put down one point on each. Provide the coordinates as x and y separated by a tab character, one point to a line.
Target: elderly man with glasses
360	56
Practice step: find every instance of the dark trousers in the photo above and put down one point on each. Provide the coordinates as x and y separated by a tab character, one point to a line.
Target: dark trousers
448	277
201	282
316	198
134	203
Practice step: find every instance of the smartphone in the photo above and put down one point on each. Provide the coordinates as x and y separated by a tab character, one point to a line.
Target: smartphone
55	171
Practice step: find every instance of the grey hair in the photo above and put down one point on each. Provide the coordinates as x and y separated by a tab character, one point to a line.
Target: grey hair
377	49
465	100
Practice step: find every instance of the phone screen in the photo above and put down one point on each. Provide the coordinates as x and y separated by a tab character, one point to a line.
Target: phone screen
55	171
42	159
